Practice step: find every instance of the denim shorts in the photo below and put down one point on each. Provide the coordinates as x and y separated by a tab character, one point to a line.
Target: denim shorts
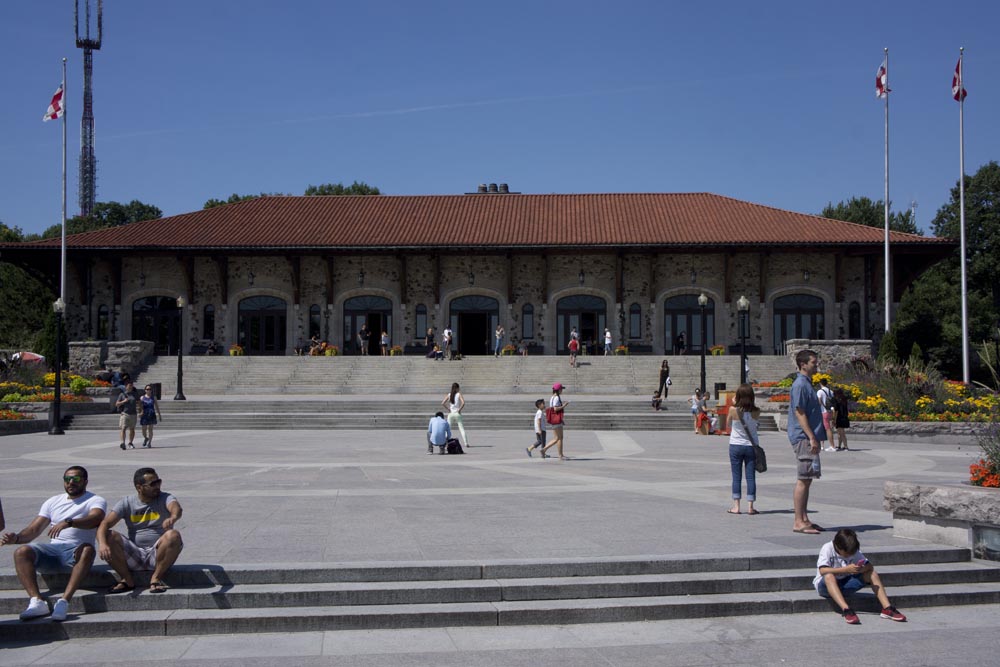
55	556
848	586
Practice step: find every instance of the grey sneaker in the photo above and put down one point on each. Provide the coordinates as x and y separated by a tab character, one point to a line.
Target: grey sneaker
59	610
528	449
36	607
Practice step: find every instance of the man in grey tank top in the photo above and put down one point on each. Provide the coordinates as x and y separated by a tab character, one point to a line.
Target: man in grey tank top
152	542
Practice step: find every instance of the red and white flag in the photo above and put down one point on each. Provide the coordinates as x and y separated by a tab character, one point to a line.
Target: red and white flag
958	90
56	108
882	81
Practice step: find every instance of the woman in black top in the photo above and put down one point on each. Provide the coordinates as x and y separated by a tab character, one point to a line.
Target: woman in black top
841	418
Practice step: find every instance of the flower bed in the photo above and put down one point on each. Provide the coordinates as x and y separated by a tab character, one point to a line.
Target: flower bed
12	415
780	398
44	398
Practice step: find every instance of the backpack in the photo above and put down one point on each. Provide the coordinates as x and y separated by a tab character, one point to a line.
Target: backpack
827	400
453	446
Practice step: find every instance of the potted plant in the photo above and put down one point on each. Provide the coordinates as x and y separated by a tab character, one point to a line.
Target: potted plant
621	350
331	351
508	350
717	350
235	350
396	351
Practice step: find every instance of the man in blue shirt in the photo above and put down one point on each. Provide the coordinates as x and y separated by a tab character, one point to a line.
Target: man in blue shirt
438	433
805	432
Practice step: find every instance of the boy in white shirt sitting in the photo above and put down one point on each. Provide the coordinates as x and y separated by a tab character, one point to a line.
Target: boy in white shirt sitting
842	570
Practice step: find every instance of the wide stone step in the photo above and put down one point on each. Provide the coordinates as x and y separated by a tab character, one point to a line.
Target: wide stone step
243	596
174	622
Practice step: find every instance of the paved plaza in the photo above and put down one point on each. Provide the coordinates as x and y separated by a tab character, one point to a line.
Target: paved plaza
286	497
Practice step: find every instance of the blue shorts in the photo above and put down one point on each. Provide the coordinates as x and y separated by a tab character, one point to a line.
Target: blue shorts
848	586
54	557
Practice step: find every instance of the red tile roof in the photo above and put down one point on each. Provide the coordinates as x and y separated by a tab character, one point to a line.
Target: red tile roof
488	221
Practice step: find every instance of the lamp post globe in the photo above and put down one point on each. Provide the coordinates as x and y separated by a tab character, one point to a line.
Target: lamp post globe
179	396
702	302
743	304
55	416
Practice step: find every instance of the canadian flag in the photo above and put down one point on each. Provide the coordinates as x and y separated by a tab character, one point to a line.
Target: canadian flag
881	81
958	90
56	108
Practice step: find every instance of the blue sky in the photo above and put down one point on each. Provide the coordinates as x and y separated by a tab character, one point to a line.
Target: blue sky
769	102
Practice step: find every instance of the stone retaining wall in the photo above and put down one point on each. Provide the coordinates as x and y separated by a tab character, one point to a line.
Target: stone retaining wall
832	353
959	515
86	358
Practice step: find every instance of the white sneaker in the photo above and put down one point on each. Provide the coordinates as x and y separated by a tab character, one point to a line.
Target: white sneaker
36	607
59	610
830	449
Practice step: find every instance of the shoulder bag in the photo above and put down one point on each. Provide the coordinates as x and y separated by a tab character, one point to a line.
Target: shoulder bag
760	458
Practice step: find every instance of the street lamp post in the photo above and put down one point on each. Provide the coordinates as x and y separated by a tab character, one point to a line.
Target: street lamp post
743	304
703	301
55	422
179	396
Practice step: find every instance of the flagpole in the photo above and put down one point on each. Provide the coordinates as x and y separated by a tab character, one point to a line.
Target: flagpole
961	214
888	293
55	418
62	254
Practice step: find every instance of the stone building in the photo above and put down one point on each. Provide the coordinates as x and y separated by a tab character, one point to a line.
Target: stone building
268	271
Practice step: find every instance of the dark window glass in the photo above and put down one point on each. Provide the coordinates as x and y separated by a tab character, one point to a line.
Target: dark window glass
527	321
208	325
634	321
313	320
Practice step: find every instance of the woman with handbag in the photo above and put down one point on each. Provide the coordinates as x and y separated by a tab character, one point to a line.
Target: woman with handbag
554	418
743	419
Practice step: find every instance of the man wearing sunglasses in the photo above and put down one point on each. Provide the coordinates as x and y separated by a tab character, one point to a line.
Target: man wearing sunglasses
152	543
74	517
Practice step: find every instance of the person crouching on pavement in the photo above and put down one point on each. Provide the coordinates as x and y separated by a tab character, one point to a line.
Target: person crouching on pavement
152	543
73	517
438	433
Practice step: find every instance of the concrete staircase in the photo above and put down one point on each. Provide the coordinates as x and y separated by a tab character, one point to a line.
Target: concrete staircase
214	375
408	412
297	597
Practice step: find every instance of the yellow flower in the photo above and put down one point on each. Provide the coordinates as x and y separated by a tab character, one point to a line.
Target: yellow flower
924	402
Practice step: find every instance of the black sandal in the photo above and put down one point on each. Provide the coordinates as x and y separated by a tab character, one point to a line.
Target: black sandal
158	587
120	587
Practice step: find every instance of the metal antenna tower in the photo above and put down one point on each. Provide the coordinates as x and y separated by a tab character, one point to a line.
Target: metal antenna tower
88	163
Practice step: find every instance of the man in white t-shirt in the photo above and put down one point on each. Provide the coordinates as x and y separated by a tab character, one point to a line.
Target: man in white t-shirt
74	517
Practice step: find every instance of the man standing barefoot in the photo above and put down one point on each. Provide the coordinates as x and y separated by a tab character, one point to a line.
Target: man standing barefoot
805	431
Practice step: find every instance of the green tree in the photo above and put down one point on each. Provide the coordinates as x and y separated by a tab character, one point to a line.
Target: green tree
354	188
25	300
104	215
864	211
982	228
930	311
234	198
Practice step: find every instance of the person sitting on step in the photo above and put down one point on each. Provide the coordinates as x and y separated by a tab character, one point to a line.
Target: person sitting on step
152	543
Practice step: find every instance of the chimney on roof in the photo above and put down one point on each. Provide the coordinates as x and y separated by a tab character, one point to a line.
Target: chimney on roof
493	189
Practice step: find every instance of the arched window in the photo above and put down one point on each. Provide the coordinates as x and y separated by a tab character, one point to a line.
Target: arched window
157	319
854	320
797	316
585	313
314	329
208	323
473	320
262	325
682	315
103	323
420	326
527	321
635	321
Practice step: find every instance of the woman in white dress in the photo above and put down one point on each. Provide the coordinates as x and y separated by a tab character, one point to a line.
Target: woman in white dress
455	403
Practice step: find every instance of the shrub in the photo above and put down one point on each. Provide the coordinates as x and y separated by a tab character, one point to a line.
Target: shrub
79	384
888	350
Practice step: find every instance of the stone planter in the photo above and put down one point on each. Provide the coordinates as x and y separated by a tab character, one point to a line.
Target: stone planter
959	515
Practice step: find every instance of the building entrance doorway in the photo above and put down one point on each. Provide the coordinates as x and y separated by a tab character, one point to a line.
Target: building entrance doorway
158	320
474	318
262	322
373	311
682	315
588	314
797	316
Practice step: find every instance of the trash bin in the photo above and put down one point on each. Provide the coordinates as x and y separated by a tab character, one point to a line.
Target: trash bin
158	389
719	386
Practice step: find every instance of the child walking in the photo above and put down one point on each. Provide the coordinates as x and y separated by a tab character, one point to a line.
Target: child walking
539	429
842	570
